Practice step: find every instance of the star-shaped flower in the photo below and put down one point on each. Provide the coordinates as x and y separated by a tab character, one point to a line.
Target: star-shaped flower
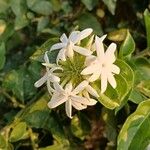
69	45
101	66
71	97
49	75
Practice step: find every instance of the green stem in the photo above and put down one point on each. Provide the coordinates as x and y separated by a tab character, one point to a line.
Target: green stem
33	138
12	99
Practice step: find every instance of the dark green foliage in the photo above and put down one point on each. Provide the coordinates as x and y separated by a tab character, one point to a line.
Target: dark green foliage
28	28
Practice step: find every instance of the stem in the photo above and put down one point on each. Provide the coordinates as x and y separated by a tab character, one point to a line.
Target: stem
33	138
143	53
12	99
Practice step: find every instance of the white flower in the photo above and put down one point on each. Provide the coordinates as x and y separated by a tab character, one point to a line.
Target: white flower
49	75
101	66
70	97
69	45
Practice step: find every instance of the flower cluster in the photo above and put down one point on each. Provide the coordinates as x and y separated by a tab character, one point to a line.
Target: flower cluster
98	64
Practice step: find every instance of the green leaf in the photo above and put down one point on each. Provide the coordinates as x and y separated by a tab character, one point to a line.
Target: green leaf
3	5
42	23
9	31
37	119
111	5
39	53
91	22
135	132
13	81
21	21
2	142
2	55
136	96
19	132
127	47
144	87
56	5
18	7
111	125
53	147
2	26
147	25
80	126
117	35
41	7
90	4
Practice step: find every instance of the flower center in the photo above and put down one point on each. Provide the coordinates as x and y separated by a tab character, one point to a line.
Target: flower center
103	65
72	69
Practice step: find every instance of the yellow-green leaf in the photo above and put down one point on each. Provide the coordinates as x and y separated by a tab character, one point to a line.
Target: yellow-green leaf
135	134
147	25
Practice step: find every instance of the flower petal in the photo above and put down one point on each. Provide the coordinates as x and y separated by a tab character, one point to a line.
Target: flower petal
64	38
78	106
54	78
56	100
68	107
82	51
41	81
112	80
57	87
80	99
80	87
89	70
68	87
115	69
61	55
95	76
92	102
55	68
92	91
85	33
48	65
49	88
103	82
100	46
109	54
89	60
46	57
74	36
57	46
69	51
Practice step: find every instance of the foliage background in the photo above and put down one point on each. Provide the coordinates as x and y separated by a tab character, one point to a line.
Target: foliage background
25	120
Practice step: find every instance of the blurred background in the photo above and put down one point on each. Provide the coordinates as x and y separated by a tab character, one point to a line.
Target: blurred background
24	26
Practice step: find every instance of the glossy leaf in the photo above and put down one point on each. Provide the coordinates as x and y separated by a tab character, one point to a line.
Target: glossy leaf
19	132
117	35
134	133
127	47
147	25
